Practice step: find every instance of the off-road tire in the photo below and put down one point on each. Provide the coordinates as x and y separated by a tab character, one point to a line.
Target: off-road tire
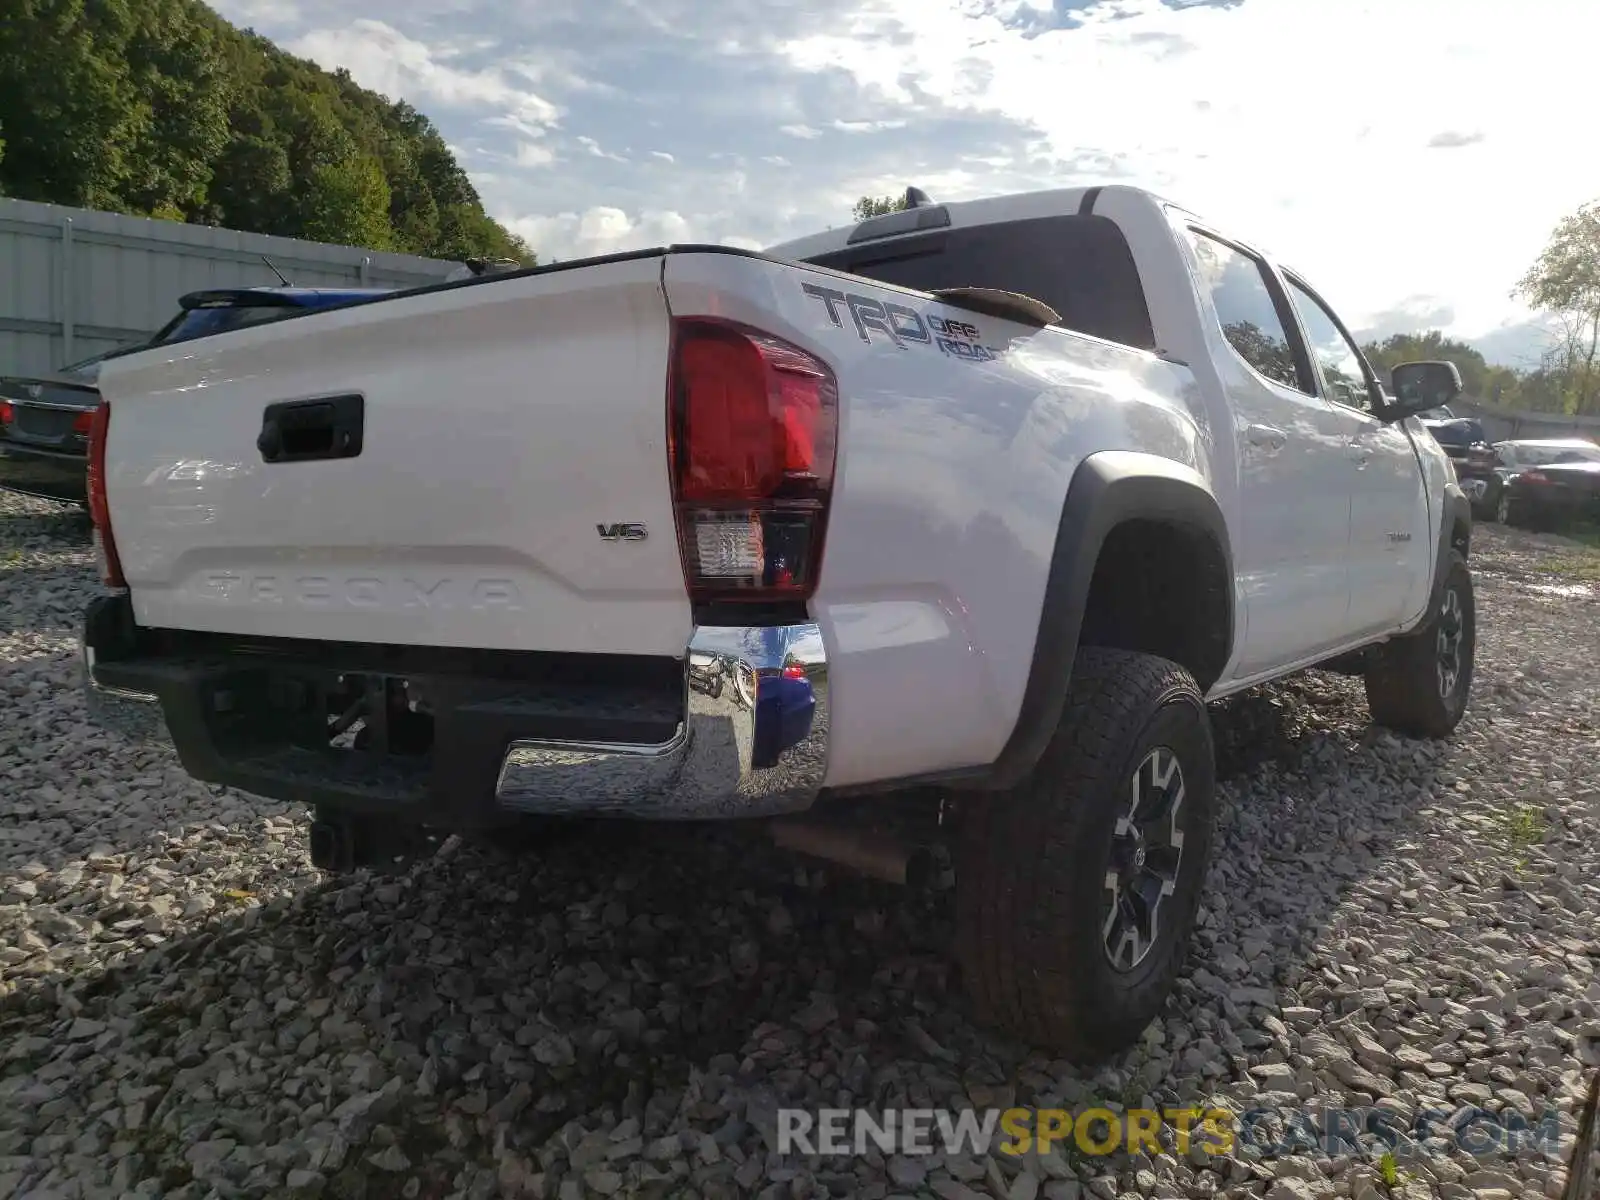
1407	682
1032	863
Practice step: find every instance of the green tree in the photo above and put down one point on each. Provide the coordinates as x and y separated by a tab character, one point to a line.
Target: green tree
1268	354
1565	282
877	206
1502	386
180	100
348	203
162	107
68	105
466	232
1433	344
252	186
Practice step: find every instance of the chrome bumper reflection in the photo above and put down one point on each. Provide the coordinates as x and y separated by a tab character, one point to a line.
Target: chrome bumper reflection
753	742
135	715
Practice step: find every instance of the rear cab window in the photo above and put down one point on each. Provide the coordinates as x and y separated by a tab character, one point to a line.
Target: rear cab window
1549	456
220	318
1078	264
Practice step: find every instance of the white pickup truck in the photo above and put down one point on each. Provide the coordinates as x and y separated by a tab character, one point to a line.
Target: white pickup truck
943	526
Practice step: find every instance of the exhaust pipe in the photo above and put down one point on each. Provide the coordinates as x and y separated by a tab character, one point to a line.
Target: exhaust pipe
876	855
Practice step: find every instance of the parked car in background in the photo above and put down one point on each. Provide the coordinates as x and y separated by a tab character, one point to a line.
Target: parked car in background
44	423
1546	484
1463	439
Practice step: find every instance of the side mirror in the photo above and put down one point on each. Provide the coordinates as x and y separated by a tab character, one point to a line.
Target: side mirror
1419	386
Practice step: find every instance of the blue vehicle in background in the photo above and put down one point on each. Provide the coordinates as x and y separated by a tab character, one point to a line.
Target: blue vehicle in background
779	705
785	706
44	423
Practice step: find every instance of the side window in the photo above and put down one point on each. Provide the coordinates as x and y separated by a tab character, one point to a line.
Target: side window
1250	320
1339	360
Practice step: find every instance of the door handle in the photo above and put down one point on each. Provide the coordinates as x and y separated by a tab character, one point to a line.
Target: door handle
305	430
1266	436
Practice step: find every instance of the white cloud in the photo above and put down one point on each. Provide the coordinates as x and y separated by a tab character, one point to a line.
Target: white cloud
593	147
601	230
1410	156
534	154
380	57
867	126
1303	124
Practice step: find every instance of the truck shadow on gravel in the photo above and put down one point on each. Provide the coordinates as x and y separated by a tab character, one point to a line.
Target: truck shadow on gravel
689	977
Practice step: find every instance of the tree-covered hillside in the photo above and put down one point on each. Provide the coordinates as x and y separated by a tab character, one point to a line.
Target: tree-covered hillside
162	108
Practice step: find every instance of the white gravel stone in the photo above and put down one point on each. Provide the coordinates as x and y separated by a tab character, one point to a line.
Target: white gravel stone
188	1010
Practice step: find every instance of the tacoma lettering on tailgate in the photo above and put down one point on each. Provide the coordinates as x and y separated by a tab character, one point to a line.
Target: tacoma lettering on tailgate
360	591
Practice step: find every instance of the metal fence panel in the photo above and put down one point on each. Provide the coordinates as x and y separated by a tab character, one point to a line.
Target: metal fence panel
1504	424
74	282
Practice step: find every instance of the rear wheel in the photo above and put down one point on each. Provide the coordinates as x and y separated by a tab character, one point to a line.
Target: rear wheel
1077	890
1419	684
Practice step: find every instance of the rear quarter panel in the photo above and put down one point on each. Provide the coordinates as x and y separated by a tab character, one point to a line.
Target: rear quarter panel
959	435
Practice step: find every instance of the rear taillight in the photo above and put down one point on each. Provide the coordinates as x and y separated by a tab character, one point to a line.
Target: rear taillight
99	510
7	414
752	428
1534	477
83	424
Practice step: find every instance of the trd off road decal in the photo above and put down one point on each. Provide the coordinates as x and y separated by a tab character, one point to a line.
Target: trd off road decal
903	326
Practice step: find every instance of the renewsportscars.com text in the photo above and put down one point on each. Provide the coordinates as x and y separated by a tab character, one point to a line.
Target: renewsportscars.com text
833	1132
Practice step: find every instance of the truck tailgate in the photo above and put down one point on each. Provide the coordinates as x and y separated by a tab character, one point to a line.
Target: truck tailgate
511	488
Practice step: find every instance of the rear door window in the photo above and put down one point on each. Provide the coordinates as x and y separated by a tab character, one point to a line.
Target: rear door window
1249	314
198	322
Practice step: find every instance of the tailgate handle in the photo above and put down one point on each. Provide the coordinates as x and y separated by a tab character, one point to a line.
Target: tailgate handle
305	430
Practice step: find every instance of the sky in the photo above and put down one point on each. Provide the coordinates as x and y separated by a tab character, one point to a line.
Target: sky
1409	157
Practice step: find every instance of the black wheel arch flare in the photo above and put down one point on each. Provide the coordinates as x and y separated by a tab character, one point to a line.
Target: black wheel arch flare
1108	489
1455	533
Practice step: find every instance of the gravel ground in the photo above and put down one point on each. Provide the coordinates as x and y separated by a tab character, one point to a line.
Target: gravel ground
187	1010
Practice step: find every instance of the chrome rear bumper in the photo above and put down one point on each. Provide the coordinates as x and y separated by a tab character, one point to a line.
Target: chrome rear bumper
753	741
717	764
